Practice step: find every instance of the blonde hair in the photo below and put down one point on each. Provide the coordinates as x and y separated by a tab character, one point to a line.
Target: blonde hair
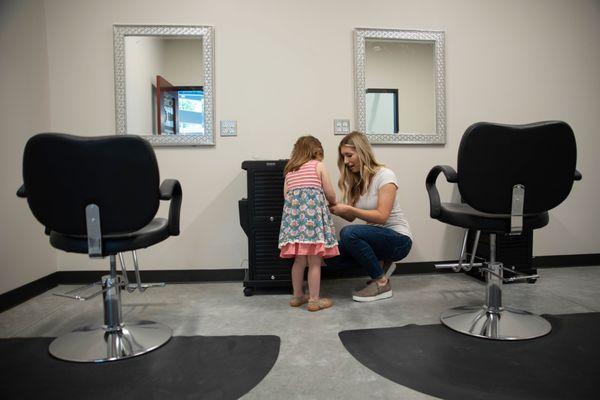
305	149
355	184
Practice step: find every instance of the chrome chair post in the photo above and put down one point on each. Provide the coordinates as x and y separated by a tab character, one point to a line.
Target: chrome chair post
493	290
111	294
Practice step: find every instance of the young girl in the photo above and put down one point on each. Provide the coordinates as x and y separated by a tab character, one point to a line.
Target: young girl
307	233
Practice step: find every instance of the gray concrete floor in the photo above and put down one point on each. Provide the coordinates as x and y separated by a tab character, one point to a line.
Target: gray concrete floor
312	363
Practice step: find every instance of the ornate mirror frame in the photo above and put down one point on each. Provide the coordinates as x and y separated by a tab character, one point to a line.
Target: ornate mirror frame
435	37
120	32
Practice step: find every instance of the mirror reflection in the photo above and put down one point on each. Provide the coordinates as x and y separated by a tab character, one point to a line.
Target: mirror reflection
164	86
407	69
163	83
400	85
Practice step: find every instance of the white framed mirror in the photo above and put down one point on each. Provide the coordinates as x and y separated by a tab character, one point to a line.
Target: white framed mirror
400	85
164	83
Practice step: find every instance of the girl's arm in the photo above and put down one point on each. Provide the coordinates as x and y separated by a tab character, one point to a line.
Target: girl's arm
327	186
385	202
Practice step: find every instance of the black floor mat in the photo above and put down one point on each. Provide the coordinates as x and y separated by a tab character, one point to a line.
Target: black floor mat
186	367
435	360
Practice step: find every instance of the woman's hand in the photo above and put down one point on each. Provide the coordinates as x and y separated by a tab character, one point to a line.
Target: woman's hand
343	210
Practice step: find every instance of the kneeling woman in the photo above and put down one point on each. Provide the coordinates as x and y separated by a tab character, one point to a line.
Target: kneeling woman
369	193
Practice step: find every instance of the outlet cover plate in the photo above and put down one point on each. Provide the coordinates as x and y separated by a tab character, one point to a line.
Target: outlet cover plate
341	126
228	128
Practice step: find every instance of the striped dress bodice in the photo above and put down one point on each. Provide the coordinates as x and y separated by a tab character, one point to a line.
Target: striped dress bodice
304	177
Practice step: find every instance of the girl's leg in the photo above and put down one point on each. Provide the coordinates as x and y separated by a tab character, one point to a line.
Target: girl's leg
298	275
314	277
315	303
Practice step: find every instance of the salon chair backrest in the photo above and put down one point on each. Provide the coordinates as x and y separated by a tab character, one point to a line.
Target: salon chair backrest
492	158
63	174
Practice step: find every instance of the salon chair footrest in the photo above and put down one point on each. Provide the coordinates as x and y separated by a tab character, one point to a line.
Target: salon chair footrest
143	286
458	266
506	324
98	344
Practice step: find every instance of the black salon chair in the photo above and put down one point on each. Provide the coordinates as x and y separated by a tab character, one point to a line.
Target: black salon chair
508	176
100	195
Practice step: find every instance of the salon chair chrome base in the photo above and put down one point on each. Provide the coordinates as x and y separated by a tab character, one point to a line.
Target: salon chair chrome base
505	324
99	343
116	339
492	320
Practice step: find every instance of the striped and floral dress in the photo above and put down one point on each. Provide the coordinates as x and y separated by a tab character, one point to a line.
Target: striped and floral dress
306	224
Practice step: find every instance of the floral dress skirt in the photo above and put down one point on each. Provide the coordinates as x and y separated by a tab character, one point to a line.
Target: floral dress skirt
307	225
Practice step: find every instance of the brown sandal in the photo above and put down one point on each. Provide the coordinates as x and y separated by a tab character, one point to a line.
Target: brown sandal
297	301
320	304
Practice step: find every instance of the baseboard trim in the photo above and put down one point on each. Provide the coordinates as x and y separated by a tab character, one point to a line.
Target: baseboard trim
21	294
572	260
168	276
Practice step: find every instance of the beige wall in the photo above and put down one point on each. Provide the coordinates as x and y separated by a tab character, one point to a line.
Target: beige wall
183	62
25	254
144	61
284	68
410	69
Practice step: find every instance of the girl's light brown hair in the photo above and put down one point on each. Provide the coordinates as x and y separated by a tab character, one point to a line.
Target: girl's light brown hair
305	149
355	184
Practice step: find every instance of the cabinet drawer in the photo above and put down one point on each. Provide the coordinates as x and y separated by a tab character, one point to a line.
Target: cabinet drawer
279	275
269	222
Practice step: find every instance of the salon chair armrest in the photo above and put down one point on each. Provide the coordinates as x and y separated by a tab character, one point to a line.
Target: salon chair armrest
170	189
434	197
22	192
577	176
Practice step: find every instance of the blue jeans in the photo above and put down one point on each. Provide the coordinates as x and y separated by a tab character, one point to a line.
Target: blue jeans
366	245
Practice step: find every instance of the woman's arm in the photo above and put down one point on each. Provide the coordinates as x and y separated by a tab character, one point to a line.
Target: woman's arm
327	186
385	201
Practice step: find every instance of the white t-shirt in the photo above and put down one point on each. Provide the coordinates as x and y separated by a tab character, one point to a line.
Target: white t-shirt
368	201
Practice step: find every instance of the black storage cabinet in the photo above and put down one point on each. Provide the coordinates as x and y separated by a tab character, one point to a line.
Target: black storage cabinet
260	218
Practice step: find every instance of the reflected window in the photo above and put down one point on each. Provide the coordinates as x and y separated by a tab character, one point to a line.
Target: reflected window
180	109
382	111
191	112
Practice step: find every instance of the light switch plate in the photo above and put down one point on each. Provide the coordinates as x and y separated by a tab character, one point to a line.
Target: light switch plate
228	128
341	126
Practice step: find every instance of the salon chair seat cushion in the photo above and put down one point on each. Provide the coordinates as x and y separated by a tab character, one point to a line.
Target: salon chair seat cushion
465	216
156	231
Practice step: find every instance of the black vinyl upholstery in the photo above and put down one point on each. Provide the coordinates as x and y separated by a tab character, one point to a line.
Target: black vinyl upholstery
492	158
63	174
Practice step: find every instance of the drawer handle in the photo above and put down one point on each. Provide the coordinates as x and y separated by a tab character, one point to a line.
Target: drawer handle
273	277
271	219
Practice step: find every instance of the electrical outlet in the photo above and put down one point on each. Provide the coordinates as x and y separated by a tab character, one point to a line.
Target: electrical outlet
228	128
341	126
